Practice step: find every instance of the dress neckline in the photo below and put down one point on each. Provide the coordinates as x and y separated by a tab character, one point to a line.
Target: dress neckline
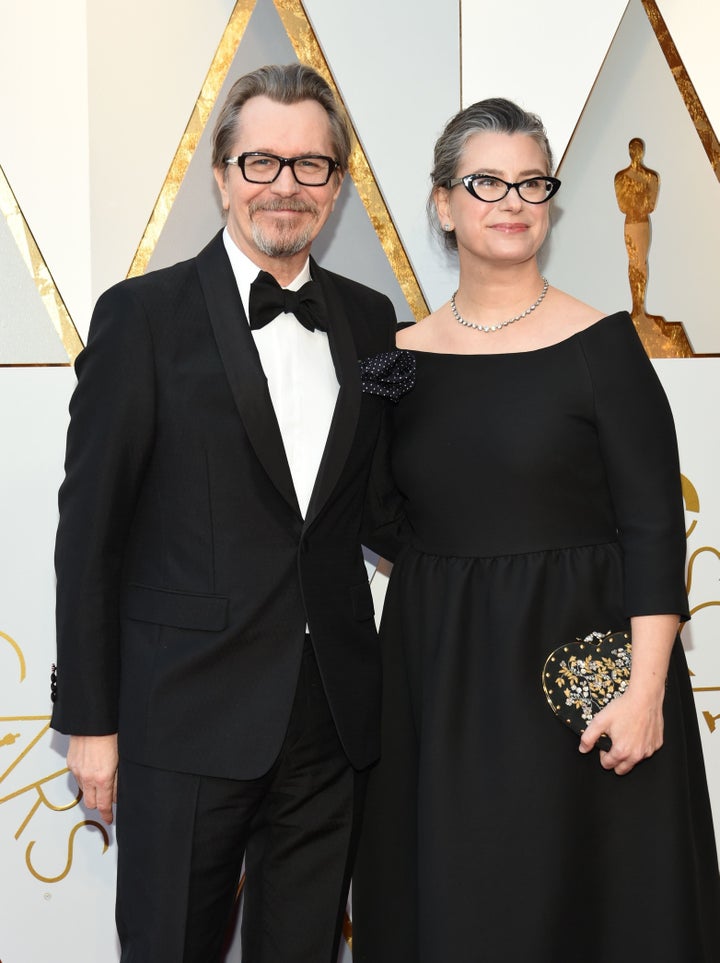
528	351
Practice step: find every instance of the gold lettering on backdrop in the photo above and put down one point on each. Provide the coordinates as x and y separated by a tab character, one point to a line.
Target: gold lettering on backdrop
18	652
692	502
20	738
636	189
42	800
691	499
56	879
21	722
699	552
711	720
38	796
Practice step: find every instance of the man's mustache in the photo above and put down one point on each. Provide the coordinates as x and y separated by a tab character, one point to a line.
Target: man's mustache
290	204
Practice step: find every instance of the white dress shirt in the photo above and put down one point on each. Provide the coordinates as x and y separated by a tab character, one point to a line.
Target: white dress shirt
301	378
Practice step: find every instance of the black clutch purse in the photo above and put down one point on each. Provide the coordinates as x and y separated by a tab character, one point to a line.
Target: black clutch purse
580	678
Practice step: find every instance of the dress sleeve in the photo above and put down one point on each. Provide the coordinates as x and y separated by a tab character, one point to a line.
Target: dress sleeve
389	375
639	450
385	528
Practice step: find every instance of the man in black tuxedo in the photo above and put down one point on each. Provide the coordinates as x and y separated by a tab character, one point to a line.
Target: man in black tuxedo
215	623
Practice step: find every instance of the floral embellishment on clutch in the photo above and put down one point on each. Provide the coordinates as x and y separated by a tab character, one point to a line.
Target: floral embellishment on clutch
582	677
390	374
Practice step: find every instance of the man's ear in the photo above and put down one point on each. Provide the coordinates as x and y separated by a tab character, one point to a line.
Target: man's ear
339	178
220	175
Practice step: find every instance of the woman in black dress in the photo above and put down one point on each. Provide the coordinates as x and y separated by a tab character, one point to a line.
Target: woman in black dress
536	469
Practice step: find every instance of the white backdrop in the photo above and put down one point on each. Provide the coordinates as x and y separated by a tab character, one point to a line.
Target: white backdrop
94	99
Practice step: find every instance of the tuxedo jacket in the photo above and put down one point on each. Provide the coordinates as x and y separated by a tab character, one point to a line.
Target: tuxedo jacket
185	572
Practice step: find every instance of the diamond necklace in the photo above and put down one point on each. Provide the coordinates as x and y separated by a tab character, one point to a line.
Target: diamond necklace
501	324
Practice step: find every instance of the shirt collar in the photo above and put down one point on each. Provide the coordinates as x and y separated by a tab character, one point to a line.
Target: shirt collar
246	271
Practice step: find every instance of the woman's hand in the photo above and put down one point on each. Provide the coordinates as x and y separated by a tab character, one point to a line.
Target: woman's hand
634	721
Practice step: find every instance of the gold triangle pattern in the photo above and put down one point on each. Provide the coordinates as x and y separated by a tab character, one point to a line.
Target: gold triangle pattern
215	78
685	85
308	51
38	269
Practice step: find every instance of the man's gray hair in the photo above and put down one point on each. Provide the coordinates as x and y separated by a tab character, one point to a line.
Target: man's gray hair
285	84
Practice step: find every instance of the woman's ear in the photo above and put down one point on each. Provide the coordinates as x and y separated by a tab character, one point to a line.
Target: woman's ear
441	199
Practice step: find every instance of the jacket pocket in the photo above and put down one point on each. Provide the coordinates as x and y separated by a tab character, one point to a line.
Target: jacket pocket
182	610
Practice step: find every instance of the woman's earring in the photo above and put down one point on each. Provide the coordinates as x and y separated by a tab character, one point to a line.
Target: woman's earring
446	227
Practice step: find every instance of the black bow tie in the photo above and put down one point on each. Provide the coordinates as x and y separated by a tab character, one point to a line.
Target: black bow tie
268	300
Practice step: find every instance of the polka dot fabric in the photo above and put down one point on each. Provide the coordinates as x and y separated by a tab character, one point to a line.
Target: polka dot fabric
390	374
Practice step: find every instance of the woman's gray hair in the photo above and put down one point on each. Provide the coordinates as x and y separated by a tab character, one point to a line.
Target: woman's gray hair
285	84
496	115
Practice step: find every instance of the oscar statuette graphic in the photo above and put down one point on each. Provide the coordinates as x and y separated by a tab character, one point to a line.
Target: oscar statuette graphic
636	189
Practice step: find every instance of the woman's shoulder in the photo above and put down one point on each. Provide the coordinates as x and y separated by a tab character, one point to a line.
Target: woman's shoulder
574	319
571	314
419	335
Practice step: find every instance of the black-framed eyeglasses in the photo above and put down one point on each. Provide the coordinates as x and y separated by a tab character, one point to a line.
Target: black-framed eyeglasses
310	170
534	190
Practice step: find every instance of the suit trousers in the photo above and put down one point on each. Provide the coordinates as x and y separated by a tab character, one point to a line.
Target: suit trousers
182	839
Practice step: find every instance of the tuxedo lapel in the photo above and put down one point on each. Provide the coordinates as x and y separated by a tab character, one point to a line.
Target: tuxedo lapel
347	406
242	365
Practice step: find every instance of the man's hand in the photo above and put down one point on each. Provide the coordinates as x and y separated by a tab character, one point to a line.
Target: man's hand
93	760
